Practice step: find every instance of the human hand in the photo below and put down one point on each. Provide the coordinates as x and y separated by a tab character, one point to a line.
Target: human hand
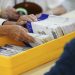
23	19
9	13
16	32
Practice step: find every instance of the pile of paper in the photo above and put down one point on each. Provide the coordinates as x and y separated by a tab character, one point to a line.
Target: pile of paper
9	50
68	27
39	39
54	26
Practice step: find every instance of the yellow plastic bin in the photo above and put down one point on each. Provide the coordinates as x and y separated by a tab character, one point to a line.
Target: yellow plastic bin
24	61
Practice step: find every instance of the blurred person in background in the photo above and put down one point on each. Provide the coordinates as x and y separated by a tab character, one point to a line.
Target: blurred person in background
56	7
51	6
69	5
48	6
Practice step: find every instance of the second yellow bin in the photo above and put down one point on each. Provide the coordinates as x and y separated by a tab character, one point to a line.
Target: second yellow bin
26	60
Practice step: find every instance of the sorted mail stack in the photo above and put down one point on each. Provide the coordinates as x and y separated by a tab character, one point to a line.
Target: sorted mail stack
9	50
68	27
39	39
54	26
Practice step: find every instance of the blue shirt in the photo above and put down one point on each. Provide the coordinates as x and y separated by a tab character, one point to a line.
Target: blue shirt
66	64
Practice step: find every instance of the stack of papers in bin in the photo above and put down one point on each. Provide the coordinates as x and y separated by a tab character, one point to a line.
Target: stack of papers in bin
39	39
54	26
9	50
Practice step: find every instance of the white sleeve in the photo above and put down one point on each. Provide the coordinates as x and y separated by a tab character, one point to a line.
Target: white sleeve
1	21
54	3
69	5
6	3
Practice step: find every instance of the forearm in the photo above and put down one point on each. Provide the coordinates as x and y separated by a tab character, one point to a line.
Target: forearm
56	11
59	10
9	23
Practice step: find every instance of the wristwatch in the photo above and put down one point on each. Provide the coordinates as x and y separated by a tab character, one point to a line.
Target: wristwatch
2	21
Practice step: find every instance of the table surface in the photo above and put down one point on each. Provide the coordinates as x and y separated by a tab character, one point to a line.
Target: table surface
46	67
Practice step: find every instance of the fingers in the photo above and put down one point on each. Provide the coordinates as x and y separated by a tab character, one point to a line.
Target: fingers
33	17
26	30
22	35
26	18
26	37
23	19
17	33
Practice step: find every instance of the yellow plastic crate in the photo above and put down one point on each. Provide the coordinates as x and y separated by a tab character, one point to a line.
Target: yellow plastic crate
24	61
